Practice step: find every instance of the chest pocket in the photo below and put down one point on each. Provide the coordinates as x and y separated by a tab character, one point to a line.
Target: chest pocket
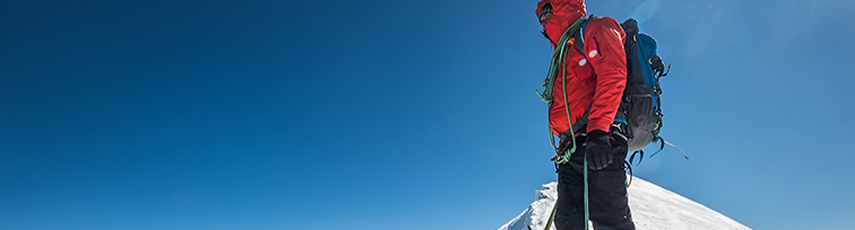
578	66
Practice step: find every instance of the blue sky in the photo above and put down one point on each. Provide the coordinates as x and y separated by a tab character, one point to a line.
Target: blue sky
391	114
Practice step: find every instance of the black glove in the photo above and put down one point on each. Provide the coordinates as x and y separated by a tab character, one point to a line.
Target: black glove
598	150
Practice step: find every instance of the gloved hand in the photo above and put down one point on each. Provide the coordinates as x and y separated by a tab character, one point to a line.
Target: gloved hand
561	154
598	150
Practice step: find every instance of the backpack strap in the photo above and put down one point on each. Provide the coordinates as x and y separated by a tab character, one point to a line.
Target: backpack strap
579	35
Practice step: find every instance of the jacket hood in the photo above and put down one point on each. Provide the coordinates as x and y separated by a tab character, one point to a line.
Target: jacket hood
564	13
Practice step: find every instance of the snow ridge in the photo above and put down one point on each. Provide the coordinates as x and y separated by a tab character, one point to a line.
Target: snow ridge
653	207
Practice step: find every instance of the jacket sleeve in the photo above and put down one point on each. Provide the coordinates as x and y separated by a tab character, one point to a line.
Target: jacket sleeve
604	50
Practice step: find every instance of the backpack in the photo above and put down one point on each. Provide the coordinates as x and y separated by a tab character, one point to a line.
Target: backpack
640	110
641	107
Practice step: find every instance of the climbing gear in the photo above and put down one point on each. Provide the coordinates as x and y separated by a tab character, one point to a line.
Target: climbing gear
556	65
640	110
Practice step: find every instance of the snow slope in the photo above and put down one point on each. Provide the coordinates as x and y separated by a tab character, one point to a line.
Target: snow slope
653	207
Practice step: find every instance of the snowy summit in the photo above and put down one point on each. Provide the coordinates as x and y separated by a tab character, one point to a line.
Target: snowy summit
653	207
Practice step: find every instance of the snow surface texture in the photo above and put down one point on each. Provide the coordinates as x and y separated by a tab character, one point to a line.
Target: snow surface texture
653	207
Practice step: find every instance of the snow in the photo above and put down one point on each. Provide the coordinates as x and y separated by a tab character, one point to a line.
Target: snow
653	207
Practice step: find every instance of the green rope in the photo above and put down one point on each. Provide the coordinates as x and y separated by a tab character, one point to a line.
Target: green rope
587	209
566	156
556	65
585	174
558	59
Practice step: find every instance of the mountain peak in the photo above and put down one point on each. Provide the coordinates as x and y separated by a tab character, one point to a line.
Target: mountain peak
653	207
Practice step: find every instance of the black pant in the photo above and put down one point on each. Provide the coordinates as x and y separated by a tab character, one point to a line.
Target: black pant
607	197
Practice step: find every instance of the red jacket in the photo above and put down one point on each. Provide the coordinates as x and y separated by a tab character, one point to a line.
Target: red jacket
595	79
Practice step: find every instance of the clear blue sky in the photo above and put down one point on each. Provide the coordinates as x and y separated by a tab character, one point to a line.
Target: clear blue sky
396	114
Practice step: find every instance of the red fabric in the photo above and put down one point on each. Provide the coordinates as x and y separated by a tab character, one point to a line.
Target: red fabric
596	79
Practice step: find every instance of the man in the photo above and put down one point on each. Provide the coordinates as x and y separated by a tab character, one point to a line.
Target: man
595	81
